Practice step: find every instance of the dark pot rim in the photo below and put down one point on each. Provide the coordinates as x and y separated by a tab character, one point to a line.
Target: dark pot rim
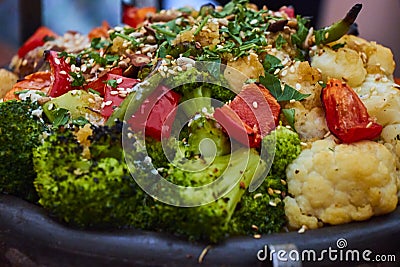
28	234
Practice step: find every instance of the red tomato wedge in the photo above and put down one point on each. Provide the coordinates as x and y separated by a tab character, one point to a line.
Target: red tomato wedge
254	111
36	40
346	115
156	114
113	97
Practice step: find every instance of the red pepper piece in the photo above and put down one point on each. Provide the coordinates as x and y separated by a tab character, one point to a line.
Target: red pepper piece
133	16
236	128
98	84
256	110
113	97
36	40
157	113
61	80
346	115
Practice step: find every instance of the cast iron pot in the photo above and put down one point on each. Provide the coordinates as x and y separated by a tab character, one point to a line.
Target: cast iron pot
29	237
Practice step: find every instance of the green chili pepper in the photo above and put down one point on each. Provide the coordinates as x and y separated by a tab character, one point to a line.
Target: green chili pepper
339	28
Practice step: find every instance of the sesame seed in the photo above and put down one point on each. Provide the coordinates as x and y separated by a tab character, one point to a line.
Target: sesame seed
270	191
298	86
50	106
326	35
284	72
257	236
272	203
254	227
257	195
369	124
253	21
276	71
63	72
302	229
119	80
57	61
114	93
203	254
303	143
327	134
108	103
255	104
292	101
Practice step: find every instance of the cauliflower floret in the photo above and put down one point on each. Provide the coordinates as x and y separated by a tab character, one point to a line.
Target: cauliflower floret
381	98
309	124
249	66
339	183
304	78
344	64
391	136
377	58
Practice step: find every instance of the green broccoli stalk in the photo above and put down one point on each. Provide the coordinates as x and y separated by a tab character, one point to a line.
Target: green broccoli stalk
86	192
262	211
206	138
20	133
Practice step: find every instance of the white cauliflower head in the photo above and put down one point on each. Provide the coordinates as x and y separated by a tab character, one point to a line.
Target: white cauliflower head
381	98
338	183
353	61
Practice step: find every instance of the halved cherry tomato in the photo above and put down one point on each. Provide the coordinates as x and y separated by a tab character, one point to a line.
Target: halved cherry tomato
36	40
133	16
256	110
36	81
61	79
156	114
113	97
346	115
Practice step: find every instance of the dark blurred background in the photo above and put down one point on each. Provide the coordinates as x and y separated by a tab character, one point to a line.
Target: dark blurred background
377	21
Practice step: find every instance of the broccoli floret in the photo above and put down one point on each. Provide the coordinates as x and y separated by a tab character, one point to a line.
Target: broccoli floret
159	153
287	148
200	87
208	222
86	192
20	133
262	211
211	222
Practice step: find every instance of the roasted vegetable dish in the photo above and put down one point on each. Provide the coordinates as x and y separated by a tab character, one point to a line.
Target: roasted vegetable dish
205	124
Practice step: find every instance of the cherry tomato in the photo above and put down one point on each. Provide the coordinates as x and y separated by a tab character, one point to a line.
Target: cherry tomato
346	115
